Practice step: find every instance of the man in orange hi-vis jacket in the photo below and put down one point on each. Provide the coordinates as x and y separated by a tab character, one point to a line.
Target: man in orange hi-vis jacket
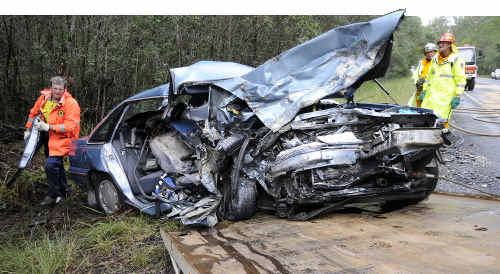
60	117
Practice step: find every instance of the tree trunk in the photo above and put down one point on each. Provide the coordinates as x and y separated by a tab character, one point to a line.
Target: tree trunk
229	51
255	42
8	32
178	44
105	84
97	72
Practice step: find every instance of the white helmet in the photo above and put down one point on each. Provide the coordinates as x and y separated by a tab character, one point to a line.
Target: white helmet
430	47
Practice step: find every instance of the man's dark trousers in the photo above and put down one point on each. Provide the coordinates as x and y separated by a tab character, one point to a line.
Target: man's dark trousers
56	177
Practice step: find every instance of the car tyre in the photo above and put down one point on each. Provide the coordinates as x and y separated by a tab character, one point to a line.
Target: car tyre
239	194
91	198
240	203
108	197
431	184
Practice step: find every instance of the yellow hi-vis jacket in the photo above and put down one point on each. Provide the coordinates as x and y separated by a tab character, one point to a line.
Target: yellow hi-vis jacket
446	80
420	72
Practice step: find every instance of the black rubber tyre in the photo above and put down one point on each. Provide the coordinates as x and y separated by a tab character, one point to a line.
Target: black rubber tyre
240	203
244	204
91	198
239	194
470	84
108	197
429	182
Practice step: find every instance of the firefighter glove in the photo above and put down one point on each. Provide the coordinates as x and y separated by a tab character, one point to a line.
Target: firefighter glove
26	134
41	126
422	96
455	102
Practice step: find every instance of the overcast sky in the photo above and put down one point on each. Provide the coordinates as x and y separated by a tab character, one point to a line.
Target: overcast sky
260	7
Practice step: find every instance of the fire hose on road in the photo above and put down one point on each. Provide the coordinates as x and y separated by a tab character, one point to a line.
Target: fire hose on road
492	195
483	115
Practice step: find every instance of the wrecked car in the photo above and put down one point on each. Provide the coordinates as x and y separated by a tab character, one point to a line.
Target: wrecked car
222	140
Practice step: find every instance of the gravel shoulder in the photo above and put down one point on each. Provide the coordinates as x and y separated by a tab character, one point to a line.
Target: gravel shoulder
471	163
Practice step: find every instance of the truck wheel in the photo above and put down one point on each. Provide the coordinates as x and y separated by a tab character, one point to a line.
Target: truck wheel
107	196
472	82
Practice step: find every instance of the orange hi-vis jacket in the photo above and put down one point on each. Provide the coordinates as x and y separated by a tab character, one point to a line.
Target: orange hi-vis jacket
64	120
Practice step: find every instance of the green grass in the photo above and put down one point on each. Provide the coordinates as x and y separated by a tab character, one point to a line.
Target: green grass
112	244
104	236
400	88
43	255
73	239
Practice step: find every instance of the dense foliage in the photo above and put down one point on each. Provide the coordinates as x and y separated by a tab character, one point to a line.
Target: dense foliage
109	58
484	33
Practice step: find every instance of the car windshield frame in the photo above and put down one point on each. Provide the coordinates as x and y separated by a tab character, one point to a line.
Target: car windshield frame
102	133
121	110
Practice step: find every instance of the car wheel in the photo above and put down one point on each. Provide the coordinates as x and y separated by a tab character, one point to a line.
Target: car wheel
430	183
108	197
91	198
239	193
240	203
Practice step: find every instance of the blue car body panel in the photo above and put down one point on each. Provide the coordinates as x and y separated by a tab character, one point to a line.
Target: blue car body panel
84	158
186	128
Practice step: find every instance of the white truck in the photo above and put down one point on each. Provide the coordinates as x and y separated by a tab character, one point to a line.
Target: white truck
468	53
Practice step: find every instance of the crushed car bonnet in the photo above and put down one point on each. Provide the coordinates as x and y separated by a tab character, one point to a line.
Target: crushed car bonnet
338	59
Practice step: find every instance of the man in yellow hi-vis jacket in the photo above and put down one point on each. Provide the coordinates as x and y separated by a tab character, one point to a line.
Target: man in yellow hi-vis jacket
419	78
446	79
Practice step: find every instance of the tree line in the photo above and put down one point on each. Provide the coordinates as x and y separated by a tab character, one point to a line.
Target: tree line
109	58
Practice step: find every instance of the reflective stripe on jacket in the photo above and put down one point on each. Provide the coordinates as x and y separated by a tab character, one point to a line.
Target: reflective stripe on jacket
446	81
64	119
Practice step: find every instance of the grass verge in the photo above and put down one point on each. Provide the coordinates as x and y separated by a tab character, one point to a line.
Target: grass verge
399	88
70	238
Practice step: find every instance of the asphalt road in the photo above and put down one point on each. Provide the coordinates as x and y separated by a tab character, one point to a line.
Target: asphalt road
486	95
474	160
